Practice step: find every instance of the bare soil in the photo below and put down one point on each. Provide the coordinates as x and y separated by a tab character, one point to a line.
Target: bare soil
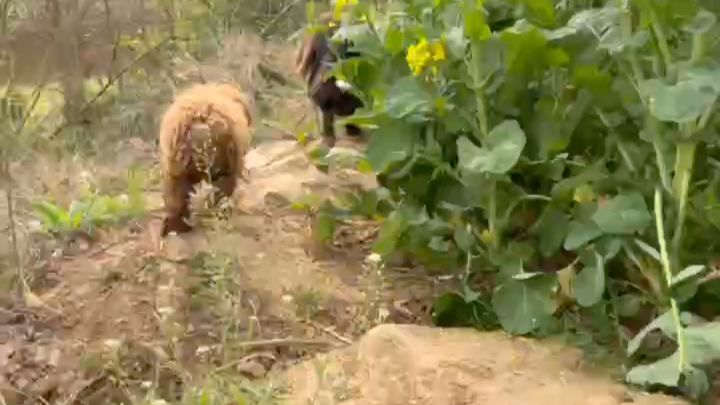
409	364
245	294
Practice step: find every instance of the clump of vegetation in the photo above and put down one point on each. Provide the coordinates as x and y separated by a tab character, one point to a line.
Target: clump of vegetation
564	153
93	210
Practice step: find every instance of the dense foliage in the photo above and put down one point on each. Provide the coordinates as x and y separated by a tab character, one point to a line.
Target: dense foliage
563	152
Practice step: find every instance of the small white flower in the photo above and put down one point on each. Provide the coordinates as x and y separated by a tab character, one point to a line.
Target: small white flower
34	225
343	85
202	350
374	258
383	314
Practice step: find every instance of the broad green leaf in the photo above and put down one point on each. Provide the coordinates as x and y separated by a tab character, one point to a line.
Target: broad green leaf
527	276
463	238
501	151
475	25
701	77
510	262
608	246
407	100
696	381
648	249
51	215
456	42
624	214
702	342
326	226
566	187
524	305
390	143
590	282
680	103
581	233
393	40
541	11
546	128
685	283
703	22
439	244
454	310
391	230
553	228
664	371
628	305
666	324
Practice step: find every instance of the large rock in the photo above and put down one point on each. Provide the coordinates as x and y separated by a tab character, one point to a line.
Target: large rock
405	364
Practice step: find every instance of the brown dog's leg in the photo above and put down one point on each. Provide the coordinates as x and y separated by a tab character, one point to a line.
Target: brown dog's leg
177	206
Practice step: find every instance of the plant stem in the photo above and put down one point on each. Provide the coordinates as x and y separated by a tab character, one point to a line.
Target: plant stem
492	214
479	89
652	126
20	274
698	49
627	36
685	158
662	44
668	277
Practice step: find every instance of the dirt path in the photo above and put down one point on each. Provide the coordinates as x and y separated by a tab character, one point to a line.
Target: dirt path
246	295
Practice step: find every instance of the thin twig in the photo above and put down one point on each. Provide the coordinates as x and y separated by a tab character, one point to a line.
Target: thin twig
277	17
332	333
280	342
253	356
111	83
20	292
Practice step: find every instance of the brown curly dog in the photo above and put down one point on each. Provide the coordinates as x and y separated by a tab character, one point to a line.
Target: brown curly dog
204	135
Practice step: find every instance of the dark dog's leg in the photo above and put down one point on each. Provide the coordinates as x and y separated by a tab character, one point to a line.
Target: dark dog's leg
328	128
177	206
225	187
353	130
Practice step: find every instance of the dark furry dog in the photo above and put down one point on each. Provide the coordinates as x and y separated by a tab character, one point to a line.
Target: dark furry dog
313	58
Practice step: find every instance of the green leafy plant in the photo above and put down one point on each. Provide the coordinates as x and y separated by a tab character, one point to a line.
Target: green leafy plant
525	140
92	211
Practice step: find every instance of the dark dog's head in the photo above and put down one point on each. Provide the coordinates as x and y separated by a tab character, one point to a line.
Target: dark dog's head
317	53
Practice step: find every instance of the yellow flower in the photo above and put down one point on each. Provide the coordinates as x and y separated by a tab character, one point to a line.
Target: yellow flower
438	52
418	56
423	54
302	138
487	236
340	6
584	193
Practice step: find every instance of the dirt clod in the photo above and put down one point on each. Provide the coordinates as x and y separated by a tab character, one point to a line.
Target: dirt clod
409	364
